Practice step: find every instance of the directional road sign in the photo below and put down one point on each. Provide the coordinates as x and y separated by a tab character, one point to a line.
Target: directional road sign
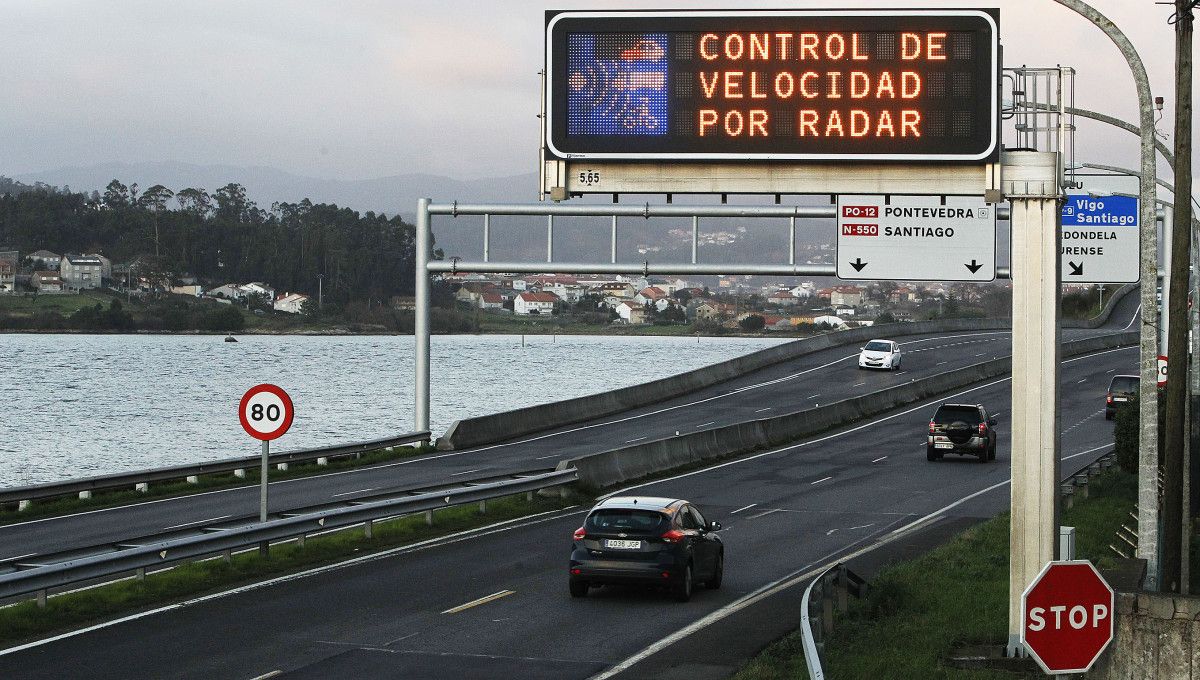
1067	616
916	238
1100	239
266	412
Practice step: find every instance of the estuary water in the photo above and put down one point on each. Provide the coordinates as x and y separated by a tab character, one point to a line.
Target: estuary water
80	405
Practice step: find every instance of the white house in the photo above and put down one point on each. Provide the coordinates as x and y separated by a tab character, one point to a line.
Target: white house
46	282
830	321
51	260
291	303
804	290
631	312
491	301
230	291
850	296
8	277
258	288
534	303
650	294
78	271
782	298
195	290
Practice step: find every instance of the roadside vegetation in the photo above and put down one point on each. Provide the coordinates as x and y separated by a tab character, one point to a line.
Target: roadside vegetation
918	612
25	621
53	507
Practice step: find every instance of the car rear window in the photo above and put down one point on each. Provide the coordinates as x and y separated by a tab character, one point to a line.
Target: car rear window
879	346
1123	383
629	521
949	414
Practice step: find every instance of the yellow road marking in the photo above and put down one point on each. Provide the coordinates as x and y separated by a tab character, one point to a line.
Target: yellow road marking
483	600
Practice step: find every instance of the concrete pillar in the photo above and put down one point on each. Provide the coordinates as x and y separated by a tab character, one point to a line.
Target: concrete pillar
1030	182
41	599
281	466
300	540
193	479
141	488
228	555
85	495
23	505
141	574
322	461
240	473
482	507
528	496
369	529
429	517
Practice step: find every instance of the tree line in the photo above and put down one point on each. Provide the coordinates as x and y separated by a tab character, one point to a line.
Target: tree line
219	237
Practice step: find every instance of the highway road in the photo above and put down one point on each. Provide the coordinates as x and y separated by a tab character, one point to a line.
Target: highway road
822	377
494	603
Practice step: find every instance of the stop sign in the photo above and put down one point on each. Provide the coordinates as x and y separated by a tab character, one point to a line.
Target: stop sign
1067	617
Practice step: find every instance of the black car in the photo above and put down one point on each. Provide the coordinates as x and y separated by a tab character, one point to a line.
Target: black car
965	429
647	541
1121	390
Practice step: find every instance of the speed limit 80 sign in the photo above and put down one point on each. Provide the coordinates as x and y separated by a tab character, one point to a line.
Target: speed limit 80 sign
266	412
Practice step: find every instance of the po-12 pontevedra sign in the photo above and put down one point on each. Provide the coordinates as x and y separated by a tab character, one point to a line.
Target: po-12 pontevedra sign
878	85
916	238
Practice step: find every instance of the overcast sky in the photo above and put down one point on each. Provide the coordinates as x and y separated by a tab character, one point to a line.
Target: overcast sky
360	89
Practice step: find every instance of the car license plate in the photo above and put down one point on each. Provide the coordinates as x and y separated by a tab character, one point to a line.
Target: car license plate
622	545
940	445
1120	399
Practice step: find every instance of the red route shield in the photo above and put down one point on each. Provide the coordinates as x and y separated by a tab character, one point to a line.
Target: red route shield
1067	617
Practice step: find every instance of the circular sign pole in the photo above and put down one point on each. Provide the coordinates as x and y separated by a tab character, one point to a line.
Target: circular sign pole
266	413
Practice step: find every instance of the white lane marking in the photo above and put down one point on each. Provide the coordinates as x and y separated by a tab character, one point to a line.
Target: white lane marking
17	557
940	363
464	472
745	508
763	409
199	521
823	479
883	457
814	396
796	577
265	676
924	405
483	600
711	422
630	441
1133	318
553	455
858	384
764	513
1081	381
348	493
1112	371
862	526
467	534
401	638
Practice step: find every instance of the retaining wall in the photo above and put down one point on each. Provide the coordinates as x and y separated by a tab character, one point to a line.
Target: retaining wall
611	467
1155	637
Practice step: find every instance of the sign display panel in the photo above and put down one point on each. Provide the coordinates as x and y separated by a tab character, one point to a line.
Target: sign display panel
899	85
916	238
1100	239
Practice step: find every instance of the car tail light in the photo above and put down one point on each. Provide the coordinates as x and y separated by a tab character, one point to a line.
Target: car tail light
580	534
932	428
982	429
673	536
576	572
1108	398
666	574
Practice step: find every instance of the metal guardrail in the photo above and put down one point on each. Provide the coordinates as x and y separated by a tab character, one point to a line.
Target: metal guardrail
190	471
835	581
165	553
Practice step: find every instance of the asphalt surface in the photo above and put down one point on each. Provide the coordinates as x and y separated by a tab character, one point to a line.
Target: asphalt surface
785	511
822	377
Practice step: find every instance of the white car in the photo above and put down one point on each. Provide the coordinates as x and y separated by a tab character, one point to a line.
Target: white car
880	354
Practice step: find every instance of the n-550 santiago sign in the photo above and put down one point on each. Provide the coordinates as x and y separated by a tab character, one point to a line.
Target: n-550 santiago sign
899	85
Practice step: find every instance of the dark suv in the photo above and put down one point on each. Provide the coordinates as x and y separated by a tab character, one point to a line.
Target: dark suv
649	541
1121	390
964	429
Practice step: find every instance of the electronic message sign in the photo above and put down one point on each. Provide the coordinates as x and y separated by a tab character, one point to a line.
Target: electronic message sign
888	85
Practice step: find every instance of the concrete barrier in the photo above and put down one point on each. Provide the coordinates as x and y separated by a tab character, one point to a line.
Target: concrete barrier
611	467
506	425
498	427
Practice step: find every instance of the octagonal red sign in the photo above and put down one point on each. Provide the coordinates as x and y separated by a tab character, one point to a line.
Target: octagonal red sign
1067	617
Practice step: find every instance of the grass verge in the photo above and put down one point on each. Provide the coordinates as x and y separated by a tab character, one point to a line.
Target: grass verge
917	612
25	621
65	505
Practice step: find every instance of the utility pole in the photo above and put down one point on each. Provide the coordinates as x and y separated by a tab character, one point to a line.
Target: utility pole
1175	524
320	291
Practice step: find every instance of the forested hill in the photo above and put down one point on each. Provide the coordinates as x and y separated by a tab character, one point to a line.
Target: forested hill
219	237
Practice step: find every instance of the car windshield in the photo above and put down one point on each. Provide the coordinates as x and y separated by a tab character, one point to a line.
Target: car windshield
1124	383
878	346
949	414
629	521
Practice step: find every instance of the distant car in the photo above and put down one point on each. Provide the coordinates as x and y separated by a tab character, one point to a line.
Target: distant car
880	354
964	429
1121	390
647	541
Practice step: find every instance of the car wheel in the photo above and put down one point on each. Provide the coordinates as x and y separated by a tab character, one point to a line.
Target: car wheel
579	587
682	590
714	583
931	454
984	456
1108	415
992	452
